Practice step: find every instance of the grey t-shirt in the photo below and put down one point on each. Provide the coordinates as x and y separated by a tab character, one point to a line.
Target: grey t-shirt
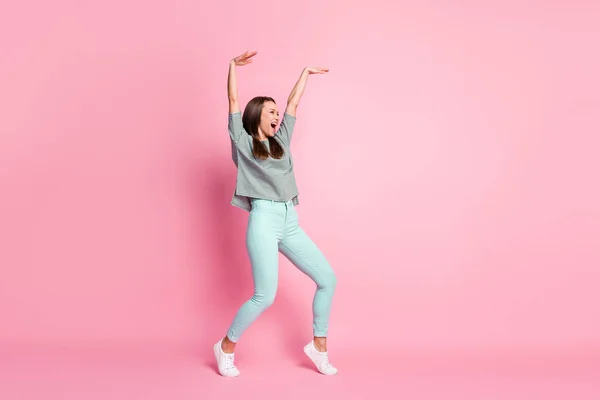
268	179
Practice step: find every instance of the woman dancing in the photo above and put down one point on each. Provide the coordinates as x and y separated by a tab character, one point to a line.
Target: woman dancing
266	188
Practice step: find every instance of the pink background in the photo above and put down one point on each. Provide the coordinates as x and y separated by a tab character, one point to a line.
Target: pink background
448	167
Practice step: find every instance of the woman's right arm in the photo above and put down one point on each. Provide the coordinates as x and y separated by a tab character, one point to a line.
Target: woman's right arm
232	88
232	91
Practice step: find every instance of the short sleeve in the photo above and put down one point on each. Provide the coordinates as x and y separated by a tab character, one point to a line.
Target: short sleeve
235	126
286	128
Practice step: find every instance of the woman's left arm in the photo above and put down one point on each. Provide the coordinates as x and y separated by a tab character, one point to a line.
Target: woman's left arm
298	90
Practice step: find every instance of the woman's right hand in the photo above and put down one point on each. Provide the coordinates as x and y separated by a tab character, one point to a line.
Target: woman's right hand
244	59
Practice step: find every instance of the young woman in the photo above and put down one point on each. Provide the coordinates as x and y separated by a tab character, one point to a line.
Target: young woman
266	188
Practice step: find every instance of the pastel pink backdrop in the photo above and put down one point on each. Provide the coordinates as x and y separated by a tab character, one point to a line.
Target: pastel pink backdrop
447	166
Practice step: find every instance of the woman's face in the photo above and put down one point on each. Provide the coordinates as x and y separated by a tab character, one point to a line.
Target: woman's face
269	119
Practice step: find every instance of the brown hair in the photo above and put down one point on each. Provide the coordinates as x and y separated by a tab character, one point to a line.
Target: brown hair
251	120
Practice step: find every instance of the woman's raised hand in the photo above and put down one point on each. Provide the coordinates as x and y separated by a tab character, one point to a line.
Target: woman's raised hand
316	70
244	59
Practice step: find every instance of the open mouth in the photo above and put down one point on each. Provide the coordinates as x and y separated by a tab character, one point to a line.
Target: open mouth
273	125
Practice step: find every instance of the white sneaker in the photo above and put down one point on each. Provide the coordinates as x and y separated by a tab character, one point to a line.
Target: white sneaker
225	361
321	359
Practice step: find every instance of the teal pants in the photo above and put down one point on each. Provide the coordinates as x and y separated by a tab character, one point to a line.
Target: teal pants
272	228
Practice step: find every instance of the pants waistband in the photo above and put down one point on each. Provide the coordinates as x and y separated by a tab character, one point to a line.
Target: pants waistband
282	202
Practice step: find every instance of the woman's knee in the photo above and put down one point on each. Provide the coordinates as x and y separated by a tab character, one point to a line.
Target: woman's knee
263	300
328	279
332	280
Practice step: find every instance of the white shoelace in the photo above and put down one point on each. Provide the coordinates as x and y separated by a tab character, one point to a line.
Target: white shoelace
228	361
326	364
